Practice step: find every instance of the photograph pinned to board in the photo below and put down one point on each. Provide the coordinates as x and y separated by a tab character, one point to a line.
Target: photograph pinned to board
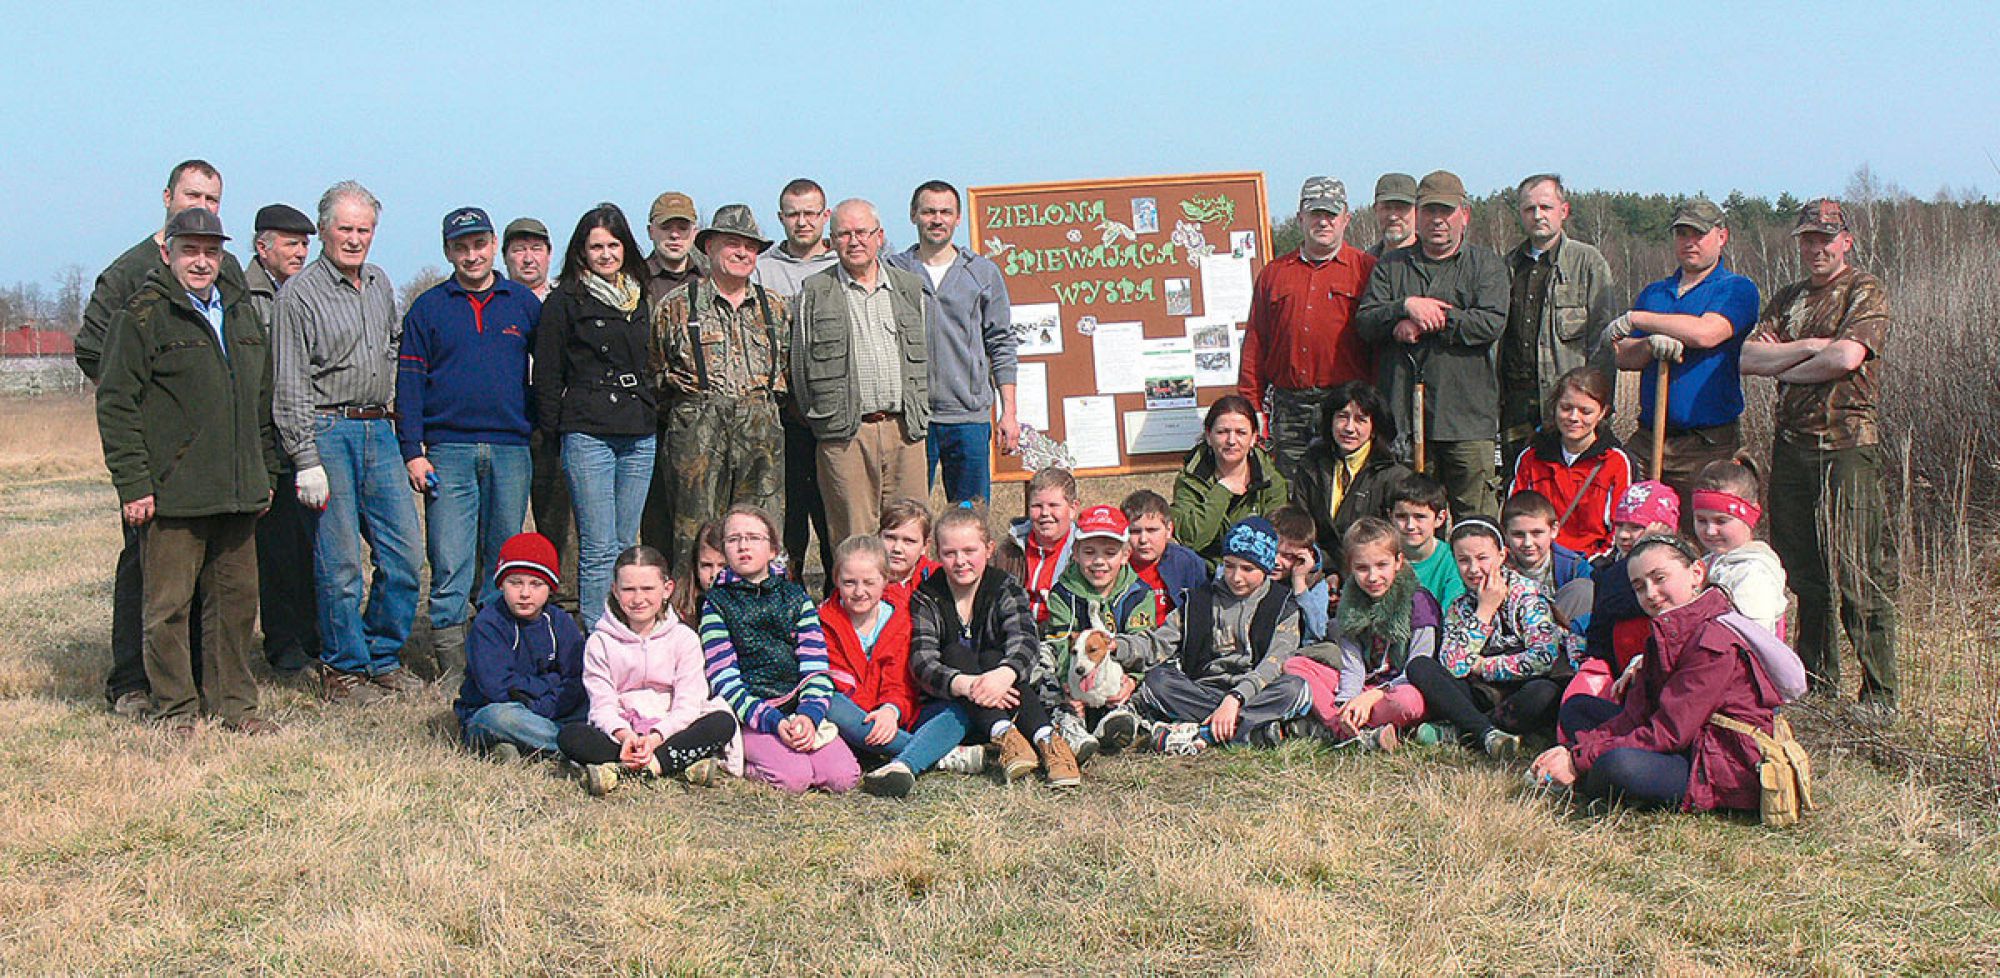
1090	429
1225	287
1169	373
1118	352
1031	395
1243	244
1180	297
1162	432
1206	334
1038	329
1215	343
1145	215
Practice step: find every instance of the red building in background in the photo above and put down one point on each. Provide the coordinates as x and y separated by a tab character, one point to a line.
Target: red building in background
27	341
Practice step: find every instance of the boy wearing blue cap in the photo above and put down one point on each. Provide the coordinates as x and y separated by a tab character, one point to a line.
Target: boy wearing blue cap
1215	668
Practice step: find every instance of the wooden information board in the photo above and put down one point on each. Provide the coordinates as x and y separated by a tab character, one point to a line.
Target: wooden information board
1130	298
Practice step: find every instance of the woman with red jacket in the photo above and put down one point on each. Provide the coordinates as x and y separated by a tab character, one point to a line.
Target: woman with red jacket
868	654
1661	751
1577	462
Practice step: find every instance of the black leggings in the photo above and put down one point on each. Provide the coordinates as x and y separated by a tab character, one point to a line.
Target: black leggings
1475	707
1029	717
706	737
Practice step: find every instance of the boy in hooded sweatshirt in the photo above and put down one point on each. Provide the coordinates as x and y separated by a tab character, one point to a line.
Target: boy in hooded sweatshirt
1214	670
524	658
1098	590
1744	567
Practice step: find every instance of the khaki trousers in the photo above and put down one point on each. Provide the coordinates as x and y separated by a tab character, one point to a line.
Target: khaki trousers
857	475
220	552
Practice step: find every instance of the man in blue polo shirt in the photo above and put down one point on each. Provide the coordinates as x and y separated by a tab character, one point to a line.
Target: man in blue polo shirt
1695	320
462	397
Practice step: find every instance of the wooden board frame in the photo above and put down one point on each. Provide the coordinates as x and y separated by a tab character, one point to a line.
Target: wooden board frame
1071	373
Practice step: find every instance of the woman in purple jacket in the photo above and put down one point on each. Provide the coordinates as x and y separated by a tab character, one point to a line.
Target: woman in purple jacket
1660	751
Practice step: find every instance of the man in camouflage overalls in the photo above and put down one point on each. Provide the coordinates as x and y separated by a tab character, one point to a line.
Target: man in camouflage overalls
722	344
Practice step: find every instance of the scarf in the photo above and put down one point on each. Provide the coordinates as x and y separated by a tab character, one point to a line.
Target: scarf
1381	626
622	295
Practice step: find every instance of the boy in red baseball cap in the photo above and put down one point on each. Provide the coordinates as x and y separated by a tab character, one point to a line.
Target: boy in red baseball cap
523	659
1099	589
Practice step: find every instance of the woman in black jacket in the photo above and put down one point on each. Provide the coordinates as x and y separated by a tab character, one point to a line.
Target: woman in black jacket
1349	469
591	356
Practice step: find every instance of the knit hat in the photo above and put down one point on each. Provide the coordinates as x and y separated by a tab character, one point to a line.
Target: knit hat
1103	522
528	553
1253	539
1648	502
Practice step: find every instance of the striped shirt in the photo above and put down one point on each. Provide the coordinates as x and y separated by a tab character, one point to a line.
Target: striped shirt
335	347
878	374
756	698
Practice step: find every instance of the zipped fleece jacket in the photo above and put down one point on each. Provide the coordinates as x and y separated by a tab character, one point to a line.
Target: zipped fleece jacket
972	342
1595	488
184	417
462	370
644	683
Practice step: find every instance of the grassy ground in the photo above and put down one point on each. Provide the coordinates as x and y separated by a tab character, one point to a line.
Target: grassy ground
364	842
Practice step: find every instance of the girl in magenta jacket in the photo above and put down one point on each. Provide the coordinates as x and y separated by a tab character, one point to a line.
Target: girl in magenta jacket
1660	751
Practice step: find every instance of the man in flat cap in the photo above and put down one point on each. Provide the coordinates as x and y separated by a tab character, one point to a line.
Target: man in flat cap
721	343
1433	313
1395	210
463	424
1300	342
525	247
1556	313
191	183
1821	338
1694	320
190	446
671	223
287	606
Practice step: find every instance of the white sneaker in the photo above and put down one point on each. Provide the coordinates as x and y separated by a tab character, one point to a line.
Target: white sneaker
1122	728
1179	739
891	780
964	759
1070	727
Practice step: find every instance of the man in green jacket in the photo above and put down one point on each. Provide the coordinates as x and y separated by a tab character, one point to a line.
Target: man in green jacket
184	412
1561	300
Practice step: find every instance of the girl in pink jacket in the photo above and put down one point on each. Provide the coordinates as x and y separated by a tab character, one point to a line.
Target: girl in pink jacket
650	712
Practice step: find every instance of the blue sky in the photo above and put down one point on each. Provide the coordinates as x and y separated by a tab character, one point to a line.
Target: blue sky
546	109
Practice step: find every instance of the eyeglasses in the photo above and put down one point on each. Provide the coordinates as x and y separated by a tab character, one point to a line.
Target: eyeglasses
856	235
739	539
788	215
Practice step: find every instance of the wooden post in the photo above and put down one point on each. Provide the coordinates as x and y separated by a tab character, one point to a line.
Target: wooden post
1417	420
1660	420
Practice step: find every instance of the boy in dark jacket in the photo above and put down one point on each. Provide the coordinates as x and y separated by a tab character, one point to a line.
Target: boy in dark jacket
524	658
1169	568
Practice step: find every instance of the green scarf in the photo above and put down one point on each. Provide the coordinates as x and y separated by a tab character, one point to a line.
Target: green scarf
1380	626
622	295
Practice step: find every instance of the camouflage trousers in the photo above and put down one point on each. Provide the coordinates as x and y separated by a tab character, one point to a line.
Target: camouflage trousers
715	452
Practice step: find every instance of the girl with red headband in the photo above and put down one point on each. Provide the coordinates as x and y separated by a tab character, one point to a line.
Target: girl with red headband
1725	520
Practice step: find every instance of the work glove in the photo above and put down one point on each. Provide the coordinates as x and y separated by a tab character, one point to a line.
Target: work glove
1619	328
313	488
1665	347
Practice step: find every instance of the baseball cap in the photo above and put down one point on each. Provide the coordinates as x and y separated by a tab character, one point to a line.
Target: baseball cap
283	217
464	221
1823	215
1699	213
195	222
524	225
1323	194
1441	187
670	205
1396	188
1106	522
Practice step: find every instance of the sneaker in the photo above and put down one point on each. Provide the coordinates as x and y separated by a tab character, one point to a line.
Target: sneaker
891	780
1060	763
1501	745
1435	733
1120	729
1179	739
134	705
1308	727
1016	757
599	779
251	726
964	759
504	752
1070	728
397	680
348	687
1383	738
703	773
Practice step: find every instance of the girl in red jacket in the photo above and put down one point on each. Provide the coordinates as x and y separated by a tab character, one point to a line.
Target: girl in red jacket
868	653
1577	463
1660	750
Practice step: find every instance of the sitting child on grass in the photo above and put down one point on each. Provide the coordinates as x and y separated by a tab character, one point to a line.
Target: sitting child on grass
1616	636
905	530
1421	512
1301	571
1099	590
1529	520
1725	520
1167	566
523	659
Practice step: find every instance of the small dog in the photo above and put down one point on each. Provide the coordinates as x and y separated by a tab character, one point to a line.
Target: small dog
1094	675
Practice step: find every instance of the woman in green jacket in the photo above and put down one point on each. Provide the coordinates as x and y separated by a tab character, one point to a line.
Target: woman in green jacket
1227	477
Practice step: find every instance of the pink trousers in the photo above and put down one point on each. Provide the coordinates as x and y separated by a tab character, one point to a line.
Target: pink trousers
1401	706
832	768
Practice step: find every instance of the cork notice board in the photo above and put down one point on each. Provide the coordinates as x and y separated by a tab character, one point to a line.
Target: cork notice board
1130	298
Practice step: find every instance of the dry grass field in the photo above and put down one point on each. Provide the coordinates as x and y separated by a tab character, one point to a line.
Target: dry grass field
365	842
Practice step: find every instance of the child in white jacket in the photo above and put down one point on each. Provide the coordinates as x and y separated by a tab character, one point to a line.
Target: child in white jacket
650	712
1746	568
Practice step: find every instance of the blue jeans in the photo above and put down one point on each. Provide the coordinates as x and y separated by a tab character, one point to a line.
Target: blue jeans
608	479
941	726
370	502
481	500
964	450
515	724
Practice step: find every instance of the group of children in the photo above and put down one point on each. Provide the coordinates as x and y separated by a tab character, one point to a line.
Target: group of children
1091	630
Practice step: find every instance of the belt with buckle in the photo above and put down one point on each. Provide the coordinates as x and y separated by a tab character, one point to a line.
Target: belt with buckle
875	416
364	412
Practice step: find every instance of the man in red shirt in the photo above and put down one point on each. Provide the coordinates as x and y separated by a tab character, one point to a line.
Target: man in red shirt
1300	344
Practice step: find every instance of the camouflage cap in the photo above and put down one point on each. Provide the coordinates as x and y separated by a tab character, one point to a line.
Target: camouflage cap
1396	188
736	219
1323	194
1699	213
670	205
1441	187
1823	215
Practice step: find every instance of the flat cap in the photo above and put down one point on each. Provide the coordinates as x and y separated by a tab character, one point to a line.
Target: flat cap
283	217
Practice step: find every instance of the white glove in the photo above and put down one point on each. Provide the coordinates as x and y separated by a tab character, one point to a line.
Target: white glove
1665	347
1619	328
313	489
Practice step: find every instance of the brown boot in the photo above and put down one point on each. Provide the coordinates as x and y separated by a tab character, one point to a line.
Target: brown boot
1059	762
348	687
1016	757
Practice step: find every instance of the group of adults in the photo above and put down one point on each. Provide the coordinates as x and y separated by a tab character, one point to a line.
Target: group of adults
1486	338
270	430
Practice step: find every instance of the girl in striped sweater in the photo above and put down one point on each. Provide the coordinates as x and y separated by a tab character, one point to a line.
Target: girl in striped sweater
767	659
